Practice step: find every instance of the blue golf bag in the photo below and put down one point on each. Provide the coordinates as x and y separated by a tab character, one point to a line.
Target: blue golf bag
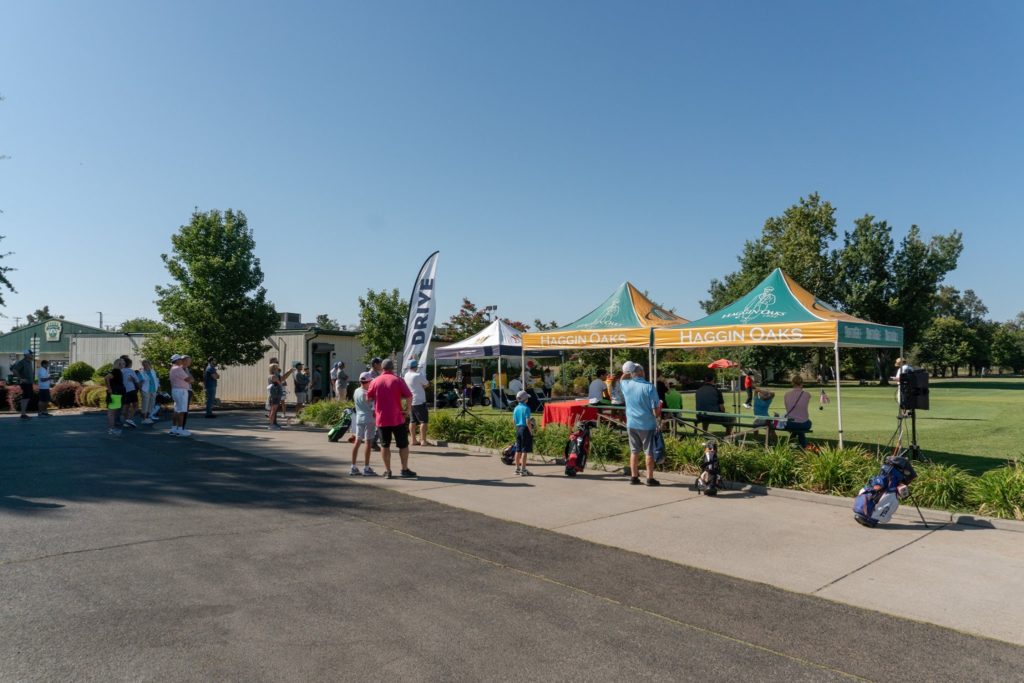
879	500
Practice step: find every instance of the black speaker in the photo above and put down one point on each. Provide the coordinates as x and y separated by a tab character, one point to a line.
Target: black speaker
914	390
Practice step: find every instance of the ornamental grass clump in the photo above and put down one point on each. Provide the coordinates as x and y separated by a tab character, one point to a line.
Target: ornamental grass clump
493	433
550	441
946	487
837	471
447	427
608	445
323	413
1000	492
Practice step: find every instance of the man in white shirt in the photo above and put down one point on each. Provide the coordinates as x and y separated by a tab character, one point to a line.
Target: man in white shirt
596	392
902	368
418	384
43	378
515	385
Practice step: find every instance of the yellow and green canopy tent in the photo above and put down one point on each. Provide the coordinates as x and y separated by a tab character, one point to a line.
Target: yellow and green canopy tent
779	312
623	320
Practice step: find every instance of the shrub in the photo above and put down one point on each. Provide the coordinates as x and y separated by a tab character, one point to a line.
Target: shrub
550	441
78	372
779	466
1000	492
14	397
839	471
63	394
447	427
580	386
494	433
941	486
92	396
323	413
608	445
558	389
102	371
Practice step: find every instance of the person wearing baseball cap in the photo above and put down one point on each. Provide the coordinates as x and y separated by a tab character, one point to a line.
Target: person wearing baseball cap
24	372
365	427
388	394
375	367
643	412
418	384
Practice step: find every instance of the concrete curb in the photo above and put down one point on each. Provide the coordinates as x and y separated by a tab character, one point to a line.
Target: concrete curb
906	512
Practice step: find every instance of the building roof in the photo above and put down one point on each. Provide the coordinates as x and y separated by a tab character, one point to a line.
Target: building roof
20	339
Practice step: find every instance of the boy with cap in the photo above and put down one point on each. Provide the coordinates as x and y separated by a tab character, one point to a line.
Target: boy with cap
524	433
418	384
24	372
365	428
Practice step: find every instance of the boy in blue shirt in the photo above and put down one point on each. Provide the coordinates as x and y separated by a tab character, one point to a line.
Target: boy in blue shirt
524	433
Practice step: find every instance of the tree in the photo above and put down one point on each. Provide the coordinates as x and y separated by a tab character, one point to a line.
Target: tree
918	268
967	307
4	281
143	325
947	344
382	318
328	323
39	315
1008	347
467	322
217	305
542	326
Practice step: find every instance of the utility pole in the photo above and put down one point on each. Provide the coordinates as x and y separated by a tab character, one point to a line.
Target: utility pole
16	321
101	319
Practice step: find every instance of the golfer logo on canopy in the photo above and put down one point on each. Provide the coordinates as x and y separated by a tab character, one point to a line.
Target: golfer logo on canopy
760	307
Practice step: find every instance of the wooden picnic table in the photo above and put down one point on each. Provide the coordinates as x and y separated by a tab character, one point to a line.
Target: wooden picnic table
743	425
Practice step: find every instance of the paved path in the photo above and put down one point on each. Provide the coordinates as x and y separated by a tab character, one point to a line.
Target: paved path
150	557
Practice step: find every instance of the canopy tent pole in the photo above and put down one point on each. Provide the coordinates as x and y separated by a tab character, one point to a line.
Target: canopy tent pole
839	398
611	361
501	389
654	368
435	382
522	368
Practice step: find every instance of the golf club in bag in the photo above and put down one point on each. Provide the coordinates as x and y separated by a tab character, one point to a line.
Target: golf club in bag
710	478
880	498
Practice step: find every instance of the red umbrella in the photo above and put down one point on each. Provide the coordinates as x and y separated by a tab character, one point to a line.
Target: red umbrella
723	363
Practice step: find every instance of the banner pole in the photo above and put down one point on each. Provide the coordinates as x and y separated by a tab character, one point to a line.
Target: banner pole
839	397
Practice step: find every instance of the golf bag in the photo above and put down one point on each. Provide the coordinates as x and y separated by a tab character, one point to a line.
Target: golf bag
879	500
508	456
341	426
577	448
710	478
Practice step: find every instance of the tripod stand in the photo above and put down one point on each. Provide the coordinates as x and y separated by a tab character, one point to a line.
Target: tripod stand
464	410
913	450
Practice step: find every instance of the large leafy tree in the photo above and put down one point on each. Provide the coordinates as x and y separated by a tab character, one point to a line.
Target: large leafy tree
217	305
327	322
470	319
39	315
382	318
143	325
1008	346
946	345
918	268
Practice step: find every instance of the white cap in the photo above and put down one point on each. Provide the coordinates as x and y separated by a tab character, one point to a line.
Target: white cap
629	366
522	397
175	358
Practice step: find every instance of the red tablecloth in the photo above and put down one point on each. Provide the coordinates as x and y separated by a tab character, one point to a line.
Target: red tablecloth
568	412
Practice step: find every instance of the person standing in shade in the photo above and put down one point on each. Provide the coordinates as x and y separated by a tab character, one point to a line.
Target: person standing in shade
114	381
24	372
210	377
524	433
339	378
181	380
130	402
643	411
300	381
43	379
708	399
748	386
388	392
149	385
598	389
365	428
798	421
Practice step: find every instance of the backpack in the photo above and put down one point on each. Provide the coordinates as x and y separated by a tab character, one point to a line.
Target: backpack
710	471
508	455
880	498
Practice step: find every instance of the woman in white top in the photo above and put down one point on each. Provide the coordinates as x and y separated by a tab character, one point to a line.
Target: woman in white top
150	384
43	379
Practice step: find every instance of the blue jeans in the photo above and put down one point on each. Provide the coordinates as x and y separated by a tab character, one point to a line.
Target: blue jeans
211	397
800	429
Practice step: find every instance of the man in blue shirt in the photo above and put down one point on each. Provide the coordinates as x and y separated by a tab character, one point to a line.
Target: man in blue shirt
643	409
210	377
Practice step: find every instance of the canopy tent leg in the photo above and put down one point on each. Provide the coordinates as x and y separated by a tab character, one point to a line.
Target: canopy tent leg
434	386
839	398
522	369
654	368
611	361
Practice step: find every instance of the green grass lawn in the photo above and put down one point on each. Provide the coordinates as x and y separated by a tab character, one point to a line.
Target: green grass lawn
976	424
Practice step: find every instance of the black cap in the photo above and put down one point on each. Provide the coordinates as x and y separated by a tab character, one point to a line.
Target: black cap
376	360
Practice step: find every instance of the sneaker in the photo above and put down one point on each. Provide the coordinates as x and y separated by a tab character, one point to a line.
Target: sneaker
526	472
25	417
415	443
408	474
45	415
147	421
653	482
174	431
274	427
519	471
129	423
353	471
184	432
634	480
368	472
114	432
747	405
387	474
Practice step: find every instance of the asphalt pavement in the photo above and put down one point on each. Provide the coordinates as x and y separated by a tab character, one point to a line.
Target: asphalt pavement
151	557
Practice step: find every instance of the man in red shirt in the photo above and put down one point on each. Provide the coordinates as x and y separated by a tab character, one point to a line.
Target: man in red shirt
387	392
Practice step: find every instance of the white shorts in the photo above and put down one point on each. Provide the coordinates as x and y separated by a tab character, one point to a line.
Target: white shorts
366	432
301	397
180	397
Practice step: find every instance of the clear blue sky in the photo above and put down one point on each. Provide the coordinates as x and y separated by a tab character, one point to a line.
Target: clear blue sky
550	150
